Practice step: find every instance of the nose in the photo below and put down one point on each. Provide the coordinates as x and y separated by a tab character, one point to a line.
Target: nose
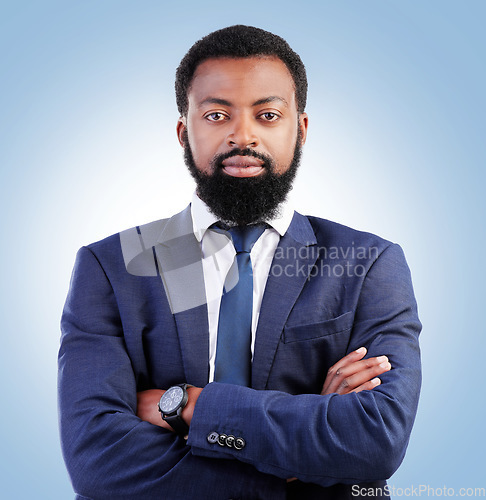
242	134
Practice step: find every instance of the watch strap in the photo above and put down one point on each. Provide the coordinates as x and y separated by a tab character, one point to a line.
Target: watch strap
178	424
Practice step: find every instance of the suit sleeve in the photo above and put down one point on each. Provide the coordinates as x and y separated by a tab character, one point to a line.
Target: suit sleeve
334	438
108	450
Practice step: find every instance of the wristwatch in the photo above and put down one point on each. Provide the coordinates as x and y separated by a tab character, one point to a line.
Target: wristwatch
171	404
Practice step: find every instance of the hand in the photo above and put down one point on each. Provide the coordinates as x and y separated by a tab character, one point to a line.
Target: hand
148	410
147	407
354	374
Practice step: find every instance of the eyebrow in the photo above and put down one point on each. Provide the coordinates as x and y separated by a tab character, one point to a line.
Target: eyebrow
272	98
214	100
224	102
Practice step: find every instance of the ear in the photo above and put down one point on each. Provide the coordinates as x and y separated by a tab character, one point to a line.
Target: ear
181	127
303	124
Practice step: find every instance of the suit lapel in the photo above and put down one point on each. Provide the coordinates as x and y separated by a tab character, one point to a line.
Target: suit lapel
179	259
294	258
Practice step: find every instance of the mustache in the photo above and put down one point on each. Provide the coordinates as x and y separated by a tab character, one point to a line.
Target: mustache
217	161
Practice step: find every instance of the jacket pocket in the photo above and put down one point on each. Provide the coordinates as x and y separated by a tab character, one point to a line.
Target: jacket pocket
299	333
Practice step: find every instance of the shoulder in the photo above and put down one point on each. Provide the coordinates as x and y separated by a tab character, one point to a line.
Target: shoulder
329	233
133	247
339	242
137	236
144	235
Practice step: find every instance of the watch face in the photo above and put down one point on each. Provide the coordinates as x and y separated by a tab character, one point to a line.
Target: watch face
171	399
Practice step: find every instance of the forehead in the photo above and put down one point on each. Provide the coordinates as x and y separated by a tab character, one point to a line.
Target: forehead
249	78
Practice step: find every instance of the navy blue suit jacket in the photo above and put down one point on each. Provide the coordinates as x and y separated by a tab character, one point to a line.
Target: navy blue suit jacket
134	320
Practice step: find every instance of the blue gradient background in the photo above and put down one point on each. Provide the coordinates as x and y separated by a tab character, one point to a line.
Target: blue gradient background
396	147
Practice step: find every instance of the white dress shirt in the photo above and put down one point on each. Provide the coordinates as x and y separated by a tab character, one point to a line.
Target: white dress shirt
217	264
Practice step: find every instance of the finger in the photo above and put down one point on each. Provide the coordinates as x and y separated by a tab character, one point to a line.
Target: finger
340	376
368	386
352	357
352	382
343	381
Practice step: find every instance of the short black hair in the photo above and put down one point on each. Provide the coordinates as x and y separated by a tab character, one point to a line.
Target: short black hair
234	42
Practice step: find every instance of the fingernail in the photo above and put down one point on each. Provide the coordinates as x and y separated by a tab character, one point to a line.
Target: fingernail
361	350
376	381
385	364
380	359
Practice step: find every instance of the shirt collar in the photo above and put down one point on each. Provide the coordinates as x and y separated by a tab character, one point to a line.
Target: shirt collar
202	217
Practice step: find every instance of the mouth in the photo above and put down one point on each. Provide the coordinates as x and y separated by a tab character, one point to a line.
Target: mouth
243	166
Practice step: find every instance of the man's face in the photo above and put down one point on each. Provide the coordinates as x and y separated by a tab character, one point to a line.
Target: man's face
242	136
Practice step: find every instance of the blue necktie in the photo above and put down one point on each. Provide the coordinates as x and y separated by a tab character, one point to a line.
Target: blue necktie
233	350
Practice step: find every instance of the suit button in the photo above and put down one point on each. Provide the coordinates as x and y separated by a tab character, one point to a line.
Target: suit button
213	437
239	443
230	440
222	439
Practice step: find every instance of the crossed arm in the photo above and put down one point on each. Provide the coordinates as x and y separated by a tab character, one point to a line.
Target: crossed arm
350	374
110	449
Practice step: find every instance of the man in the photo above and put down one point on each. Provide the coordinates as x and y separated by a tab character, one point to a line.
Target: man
300	350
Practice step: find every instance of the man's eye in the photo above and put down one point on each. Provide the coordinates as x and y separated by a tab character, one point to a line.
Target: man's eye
215	117
269	117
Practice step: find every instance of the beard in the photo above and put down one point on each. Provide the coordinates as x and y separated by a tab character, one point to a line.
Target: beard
241	201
